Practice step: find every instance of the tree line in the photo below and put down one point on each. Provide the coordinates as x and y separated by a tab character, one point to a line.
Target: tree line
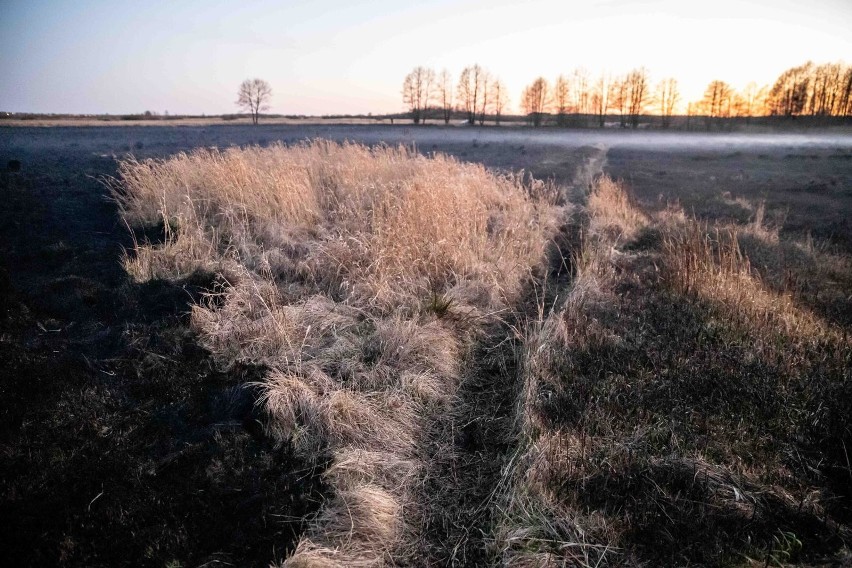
478	94
805	90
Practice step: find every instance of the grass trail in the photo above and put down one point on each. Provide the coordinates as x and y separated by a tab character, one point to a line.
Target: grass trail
472	447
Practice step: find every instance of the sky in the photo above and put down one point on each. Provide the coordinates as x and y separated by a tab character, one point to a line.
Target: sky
350	57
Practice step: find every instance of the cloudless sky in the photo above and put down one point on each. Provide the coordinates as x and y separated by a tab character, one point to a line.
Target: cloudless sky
334	56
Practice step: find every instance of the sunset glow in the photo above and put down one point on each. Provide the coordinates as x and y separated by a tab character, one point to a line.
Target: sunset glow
329	56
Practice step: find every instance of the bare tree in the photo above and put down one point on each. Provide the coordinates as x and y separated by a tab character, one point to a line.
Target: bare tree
620	99
789	94
470	91
749	102
844	103
416	91
561	99
484	89
445	95
253	96
535	100
717	101
499	98
826	89
637	93
580	91
600	99
667	97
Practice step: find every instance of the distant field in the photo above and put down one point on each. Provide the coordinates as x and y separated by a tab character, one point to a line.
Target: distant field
191	121
357	354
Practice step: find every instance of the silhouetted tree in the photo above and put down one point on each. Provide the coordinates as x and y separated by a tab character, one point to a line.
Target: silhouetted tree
789	94
445	95
826	89
667	97
637	94
485	92
580	91
751	101
470	91
717	102
844	105
499	98
620	99
416	91
535	100
600	99
561	94
253	96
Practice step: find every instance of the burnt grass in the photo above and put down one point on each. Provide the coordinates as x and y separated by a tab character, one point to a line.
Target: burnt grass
121	443
690	426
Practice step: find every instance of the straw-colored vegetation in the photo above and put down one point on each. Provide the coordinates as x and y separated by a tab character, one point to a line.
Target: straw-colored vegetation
675	409
358	278
673	402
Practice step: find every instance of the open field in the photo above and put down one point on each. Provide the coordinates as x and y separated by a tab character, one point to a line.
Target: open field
331	354
165	121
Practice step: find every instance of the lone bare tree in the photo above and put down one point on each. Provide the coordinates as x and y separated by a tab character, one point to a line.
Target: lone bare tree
416	92
619	98
485	90
580	91
253	96
637	90
751	101
717	102
600	99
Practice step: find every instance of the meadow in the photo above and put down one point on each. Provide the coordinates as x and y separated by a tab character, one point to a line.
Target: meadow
364	345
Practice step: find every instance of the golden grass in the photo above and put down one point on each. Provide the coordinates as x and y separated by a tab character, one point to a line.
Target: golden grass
546	521
379	224
710	264
359	278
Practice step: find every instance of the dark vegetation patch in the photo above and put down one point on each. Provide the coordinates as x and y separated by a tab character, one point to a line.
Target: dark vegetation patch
810	191
120	442
703	440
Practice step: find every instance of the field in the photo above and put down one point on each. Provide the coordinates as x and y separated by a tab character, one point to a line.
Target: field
449	346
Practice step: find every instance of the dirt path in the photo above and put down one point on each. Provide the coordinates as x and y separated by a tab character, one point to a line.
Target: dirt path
473	446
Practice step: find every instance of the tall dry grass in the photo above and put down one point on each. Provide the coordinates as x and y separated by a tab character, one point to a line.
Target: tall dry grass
373	225
358	277
661	401
710	263
538	528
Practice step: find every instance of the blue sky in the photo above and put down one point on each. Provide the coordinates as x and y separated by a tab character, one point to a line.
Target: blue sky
329	56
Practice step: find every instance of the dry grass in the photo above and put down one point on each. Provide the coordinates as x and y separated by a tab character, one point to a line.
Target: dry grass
359	278
675	409
711	264
371	225
676	403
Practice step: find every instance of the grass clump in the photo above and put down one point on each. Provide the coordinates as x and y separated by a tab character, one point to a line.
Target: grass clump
326	252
